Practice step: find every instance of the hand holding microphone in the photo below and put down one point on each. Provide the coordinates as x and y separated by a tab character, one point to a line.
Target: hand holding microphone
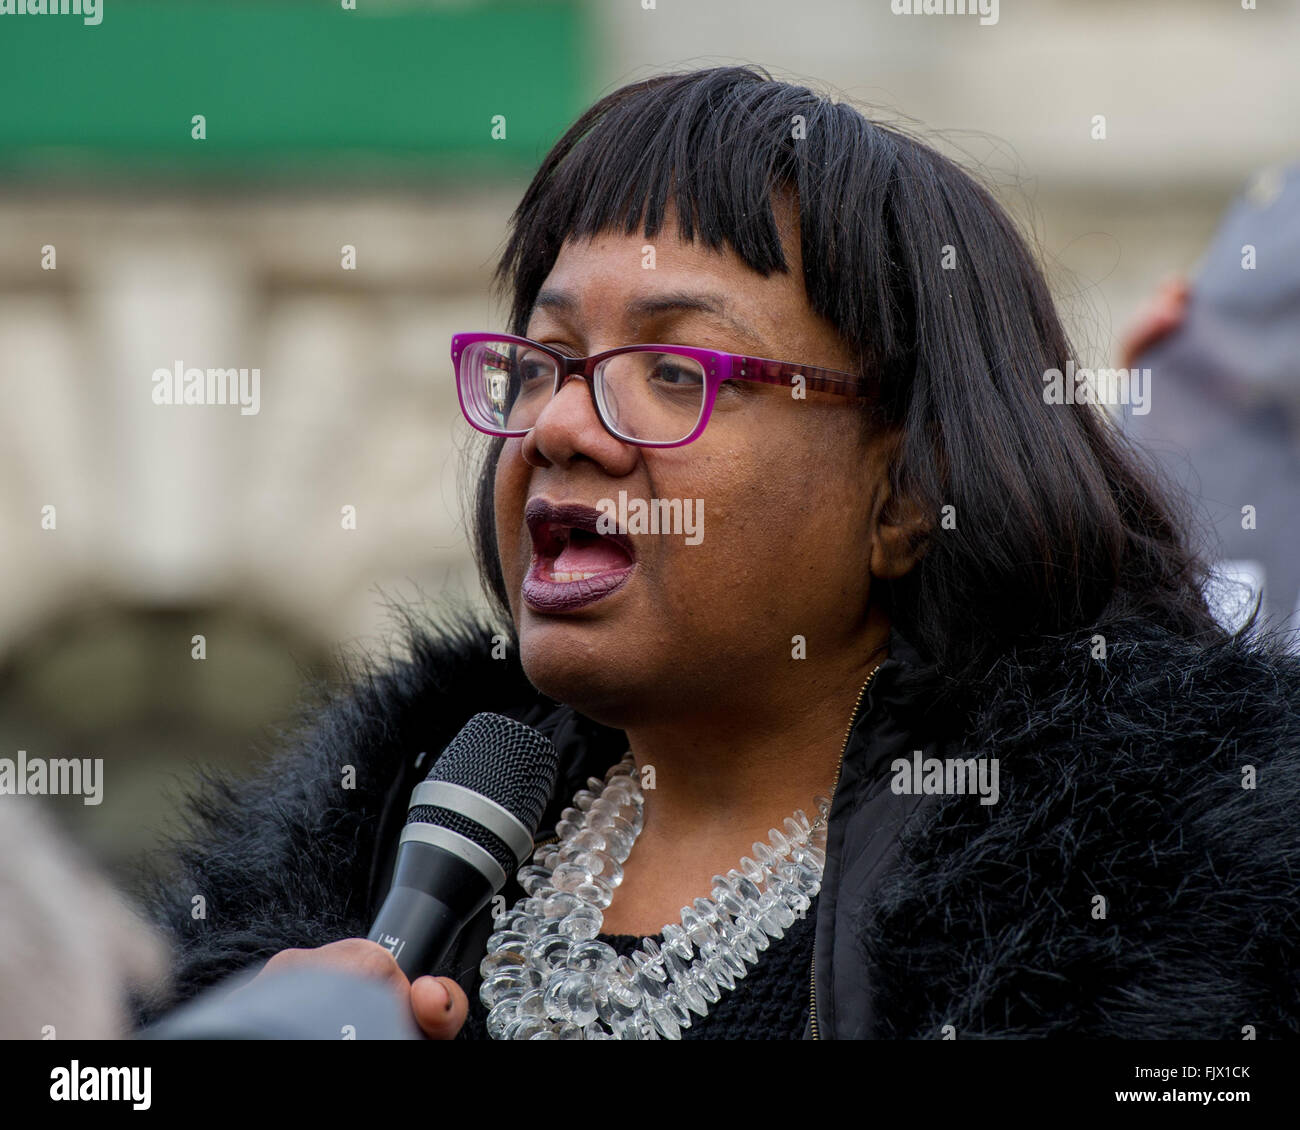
437	1004
470	825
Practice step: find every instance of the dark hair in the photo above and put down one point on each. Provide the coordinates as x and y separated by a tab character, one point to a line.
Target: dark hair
1059	522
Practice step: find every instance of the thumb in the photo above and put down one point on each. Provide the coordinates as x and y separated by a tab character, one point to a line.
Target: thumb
440	1006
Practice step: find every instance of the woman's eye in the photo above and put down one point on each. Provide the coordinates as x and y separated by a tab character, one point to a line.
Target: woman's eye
675	375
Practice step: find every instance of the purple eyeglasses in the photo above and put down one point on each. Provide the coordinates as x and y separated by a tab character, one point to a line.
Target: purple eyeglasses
648	395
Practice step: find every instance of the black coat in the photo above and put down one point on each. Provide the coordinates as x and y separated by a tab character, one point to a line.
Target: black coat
1120	778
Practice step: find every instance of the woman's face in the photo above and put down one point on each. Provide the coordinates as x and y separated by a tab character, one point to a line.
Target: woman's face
788	488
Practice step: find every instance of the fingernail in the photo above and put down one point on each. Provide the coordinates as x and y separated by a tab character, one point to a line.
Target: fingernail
440	988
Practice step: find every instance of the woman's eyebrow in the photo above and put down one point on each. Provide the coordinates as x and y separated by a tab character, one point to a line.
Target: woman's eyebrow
654	305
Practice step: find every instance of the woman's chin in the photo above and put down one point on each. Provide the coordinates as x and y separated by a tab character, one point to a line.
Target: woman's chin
569	670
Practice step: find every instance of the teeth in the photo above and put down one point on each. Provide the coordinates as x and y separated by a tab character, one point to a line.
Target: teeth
573	576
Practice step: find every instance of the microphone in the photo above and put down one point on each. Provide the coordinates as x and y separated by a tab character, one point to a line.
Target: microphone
469	827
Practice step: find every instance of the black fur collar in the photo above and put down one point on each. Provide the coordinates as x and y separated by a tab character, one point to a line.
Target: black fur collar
1120	778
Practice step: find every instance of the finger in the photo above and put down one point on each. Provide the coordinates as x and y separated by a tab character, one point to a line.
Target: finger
1153	326
371	960
440	1006
1176	287
1171	303
285	959
356	956
1159	316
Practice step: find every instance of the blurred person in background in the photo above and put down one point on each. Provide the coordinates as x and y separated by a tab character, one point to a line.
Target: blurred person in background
919	561
1224	352
72	951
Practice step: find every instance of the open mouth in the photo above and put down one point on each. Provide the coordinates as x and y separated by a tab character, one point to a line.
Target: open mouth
573	564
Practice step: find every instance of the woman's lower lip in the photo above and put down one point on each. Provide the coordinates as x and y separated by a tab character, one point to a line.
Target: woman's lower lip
545	595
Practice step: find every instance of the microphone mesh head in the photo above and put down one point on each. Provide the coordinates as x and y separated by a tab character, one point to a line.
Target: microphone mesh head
503	760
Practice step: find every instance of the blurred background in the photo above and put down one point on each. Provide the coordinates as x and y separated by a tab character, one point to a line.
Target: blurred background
407	131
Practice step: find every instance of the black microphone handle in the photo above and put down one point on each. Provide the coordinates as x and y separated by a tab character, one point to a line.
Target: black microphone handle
434	895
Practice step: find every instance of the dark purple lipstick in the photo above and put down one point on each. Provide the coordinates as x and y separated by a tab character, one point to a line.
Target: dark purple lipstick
573	564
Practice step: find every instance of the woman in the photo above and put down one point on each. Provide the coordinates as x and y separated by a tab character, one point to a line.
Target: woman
914	575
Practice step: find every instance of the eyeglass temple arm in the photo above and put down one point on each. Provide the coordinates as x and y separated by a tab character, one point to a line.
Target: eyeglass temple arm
760	369
770	372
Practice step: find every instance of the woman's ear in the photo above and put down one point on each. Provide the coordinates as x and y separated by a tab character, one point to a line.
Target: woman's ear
900	530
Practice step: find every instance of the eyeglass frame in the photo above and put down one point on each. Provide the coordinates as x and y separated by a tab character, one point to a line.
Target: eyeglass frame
718	366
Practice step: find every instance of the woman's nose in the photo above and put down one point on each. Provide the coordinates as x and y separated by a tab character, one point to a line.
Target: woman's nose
568	427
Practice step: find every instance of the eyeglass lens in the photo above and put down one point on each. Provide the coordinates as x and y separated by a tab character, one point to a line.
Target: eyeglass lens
652	396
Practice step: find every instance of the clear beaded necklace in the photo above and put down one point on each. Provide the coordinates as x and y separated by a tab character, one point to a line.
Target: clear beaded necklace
547	976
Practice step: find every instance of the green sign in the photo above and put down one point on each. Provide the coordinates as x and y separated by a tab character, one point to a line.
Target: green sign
275	87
